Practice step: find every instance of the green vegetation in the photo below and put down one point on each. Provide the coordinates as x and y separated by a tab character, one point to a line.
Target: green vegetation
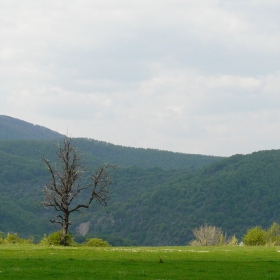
13	238
23	175
39	262
254	237
11	128
96	242
212	236
258	236
54	238
149	206
125	157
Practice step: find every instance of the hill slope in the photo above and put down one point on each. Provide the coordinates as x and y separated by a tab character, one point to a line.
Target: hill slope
12	128
15	129
96	152
235	193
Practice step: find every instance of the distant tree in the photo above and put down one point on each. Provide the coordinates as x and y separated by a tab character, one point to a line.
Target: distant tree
208	236
66	185
96	242
255	236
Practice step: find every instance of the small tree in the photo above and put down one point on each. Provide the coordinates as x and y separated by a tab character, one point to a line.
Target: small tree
255	236
208	236
66	185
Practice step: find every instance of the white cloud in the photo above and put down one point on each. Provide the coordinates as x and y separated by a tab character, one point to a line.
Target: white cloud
192	76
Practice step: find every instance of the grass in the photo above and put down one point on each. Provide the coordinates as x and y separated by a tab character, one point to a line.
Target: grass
157	263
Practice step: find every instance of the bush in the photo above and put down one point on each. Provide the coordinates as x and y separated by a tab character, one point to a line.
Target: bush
208	236
255	236
96	242
13	238
54	239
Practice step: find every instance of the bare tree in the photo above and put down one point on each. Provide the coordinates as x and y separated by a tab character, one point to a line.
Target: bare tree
208	235
66	185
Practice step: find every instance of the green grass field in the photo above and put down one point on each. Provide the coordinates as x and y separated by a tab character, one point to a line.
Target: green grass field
157	263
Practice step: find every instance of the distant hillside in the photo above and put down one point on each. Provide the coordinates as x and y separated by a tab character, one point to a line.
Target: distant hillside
148	206
23	175
15	129
11	128
235	193
96	153
145	158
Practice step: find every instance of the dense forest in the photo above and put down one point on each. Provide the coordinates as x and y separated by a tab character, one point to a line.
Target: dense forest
157	197
235	194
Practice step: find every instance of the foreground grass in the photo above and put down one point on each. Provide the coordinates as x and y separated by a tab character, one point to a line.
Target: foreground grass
157	263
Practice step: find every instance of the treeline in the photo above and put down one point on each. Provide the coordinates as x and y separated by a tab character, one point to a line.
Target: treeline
126	157
96	152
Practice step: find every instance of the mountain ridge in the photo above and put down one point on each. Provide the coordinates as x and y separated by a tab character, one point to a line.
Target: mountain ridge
13	128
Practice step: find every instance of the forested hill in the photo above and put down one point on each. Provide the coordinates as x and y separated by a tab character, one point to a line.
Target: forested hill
235	193
96	153
145	158
12	128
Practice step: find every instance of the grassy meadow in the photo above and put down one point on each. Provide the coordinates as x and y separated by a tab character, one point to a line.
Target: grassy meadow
157	263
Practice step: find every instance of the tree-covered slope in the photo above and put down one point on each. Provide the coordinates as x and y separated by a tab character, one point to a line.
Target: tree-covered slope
145	158
15	129
152	206
235	193
96	152
12	128
23	175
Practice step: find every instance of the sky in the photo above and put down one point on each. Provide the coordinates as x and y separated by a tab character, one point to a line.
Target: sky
197	77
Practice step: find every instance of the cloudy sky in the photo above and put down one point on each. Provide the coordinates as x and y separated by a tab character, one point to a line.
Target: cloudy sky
200	77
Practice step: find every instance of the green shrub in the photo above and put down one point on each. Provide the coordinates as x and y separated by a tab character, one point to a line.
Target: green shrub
13	238
255	236
96	242
54	239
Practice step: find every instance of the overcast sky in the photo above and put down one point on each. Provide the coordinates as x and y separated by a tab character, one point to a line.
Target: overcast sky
200	77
